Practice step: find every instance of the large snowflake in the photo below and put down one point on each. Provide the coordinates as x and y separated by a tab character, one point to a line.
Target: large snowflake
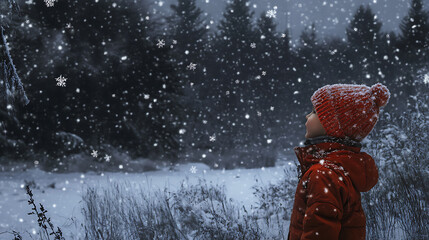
160	43
61	81
107	158
94	153
50	3
212	138
191	66
193	169
426	79
272	13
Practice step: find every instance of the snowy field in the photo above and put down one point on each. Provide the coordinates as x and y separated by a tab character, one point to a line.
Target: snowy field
61	194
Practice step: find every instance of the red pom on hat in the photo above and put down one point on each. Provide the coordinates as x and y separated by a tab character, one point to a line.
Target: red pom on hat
349	110
381	94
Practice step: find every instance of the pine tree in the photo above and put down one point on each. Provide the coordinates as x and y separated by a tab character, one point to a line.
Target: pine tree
285	54
308	60
308	49
334	60
11	88
236	50
287	75
308	37
146	113
187	28
267	44
12	93
415	31
271	60
235	37
364	41
235	64
267	61
388	55
363	31
259	89
121	85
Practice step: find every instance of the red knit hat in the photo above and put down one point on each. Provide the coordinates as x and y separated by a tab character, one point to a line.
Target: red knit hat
349	110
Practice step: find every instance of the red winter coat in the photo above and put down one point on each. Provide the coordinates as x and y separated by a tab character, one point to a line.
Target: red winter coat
327	199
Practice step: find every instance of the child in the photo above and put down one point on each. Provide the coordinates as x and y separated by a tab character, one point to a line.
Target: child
333	169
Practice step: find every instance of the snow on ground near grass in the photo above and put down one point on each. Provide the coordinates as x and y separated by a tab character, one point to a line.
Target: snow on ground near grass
63	201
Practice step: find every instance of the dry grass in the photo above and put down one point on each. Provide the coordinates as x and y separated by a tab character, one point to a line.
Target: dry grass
398	207
192	212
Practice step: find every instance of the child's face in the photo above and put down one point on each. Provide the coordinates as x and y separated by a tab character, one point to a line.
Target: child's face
313	125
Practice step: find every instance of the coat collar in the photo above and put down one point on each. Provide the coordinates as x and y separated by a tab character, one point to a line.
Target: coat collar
318	147
345	141
359	166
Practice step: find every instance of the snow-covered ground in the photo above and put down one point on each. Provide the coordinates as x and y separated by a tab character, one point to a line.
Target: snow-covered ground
61	194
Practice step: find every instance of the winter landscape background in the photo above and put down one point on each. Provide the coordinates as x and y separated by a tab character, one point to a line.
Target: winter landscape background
104	103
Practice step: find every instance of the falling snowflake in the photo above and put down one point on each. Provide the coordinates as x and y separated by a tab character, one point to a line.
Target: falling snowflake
107	158
174	41
272	13
212	138
253	45
50	3
426	79
68	25
193	169
259	113
283	35
94	153
258	77
264	73
191	66
160	43
61	81
146	96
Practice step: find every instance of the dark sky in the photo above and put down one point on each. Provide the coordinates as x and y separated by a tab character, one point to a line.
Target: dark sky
331	16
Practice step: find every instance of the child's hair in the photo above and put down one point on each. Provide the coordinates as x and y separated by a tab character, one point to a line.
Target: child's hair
349	110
